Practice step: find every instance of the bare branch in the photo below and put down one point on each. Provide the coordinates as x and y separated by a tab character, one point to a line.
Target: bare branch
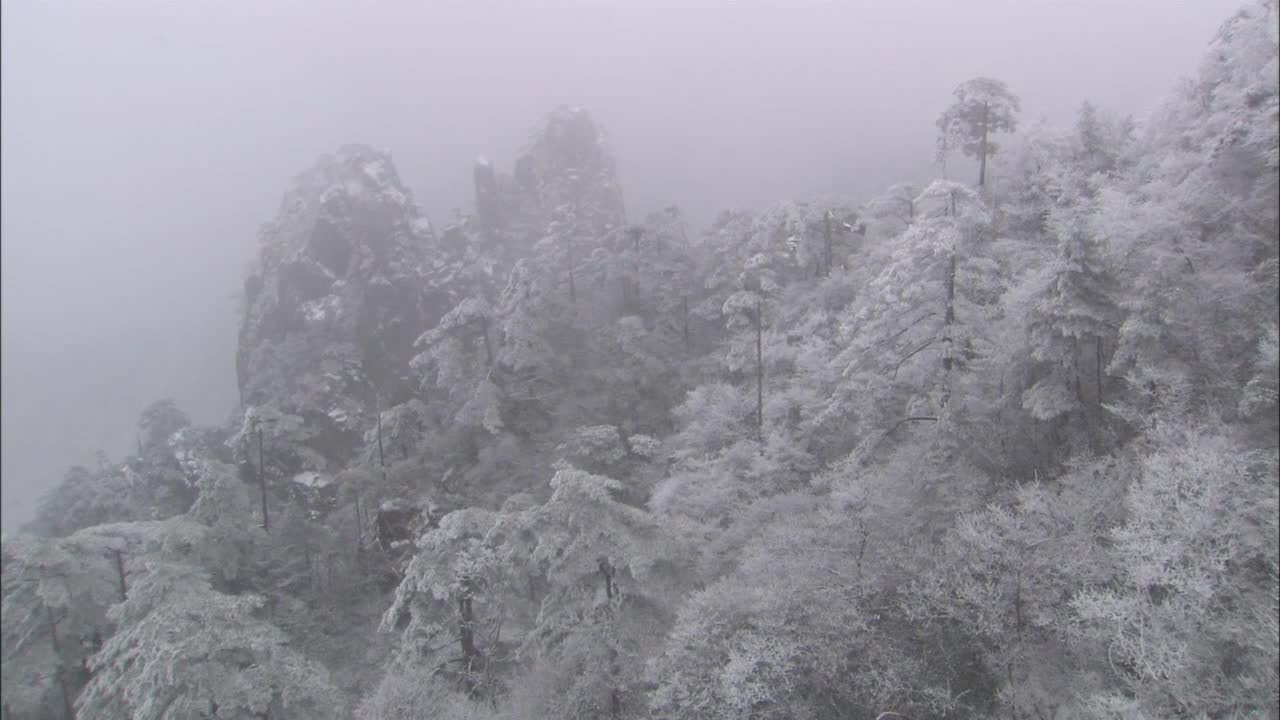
916	418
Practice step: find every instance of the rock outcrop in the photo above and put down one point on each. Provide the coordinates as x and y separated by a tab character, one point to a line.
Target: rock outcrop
567	172
340	293
569	166
351	274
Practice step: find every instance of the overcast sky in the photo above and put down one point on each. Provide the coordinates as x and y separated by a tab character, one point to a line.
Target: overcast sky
144	142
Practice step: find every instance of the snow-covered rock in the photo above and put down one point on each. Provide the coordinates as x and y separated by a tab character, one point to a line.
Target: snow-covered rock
338	295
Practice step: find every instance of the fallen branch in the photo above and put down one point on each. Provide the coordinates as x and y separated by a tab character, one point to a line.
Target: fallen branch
908	356
915	418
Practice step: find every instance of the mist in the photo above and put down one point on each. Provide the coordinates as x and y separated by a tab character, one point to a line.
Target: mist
144	143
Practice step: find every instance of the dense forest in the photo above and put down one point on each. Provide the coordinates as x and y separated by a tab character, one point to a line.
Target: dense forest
1001	445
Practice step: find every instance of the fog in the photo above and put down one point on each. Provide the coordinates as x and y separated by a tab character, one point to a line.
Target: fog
144	143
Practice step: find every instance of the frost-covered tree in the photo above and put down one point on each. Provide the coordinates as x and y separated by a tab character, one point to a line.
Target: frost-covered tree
225	507
1196	223
1005	450
593	562
456	359
271	447
930	303
1190	628
450	600
58	593
1100	141
1003	578
186	650
796	631
55	598
410	693
1036	172
170	451
983	107
90	497
895	208
636	354
1070	312
1262	393
160	421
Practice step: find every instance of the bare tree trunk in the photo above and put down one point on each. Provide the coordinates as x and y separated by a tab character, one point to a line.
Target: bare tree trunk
466	627
948	350
124	591
1017	602
950	315
1075	370
1097	369
488	348
311	567
615	702
982	164
606	571
635	290
759	371
262	482
359	530
684	306
1013	690
381	459
826	231
573	290
67	707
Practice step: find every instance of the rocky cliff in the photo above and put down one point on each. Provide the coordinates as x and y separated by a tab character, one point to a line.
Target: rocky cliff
339	294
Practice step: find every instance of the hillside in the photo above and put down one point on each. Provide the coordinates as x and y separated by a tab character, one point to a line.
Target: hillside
996	446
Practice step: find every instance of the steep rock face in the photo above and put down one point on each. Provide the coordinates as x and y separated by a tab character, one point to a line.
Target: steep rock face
569	166
567	174
350	275
561	208
489	211
339	295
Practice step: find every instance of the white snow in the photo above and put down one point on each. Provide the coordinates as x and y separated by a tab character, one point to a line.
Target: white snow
375	170
313	480
394	195
317	310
